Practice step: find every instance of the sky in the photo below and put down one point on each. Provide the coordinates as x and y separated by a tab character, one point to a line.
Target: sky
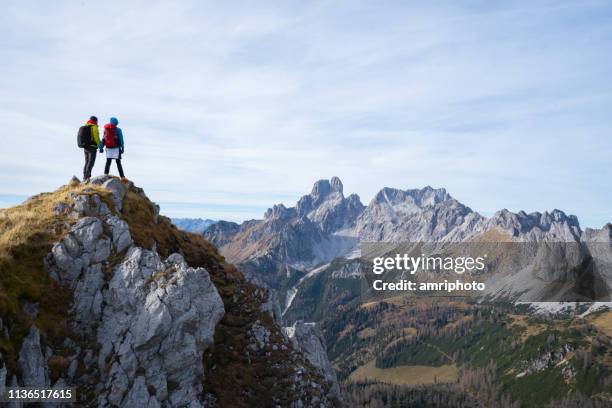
230	107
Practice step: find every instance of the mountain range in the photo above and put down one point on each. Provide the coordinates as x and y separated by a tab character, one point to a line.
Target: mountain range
501	349
288	243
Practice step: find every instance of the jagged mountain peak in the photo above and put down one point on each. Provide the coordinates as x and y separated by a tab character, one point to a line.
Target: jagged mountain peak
323	188
604	234
556	224
326	206
279	211
416	214
426	196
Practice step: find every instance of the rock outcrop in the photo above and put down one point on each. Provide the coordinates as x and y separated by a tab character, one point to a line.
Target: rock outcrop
173	310
222	232
2	376
148	304
33	364
153	318
307	338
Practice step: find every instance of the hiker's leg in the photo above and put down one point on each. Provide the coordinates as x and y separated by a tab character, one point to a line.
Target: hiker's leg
107	167
120	167
92	161
86	164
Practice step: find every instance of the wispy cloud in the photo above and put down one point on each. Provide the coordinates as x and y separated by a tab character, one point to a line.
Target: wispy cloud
230	107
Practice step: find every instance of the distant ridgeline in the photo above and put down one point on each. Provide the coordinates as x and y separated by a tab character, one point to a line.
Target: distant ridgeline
195	225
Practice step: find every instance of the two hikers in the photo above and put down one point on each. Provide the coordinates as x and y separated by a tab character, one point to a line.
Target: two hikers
89	140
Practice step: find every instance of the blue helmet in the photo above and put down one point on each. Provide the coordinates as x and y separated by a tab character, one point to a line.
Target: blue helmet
114	121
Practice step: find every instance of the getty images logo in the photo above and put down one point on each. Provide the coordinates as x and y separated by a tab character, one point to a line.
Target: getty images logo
410	264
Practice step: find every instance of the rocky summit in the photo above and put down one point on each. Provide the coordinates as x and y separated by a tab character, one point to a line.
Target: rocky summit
100	292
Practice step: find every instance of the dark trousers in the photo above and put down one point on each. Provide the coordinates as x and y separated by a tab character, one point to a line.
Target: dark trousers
119	166
90	160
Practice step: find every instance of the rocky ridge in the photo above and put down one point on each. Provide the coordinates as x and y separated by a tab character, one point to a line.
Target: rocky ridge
156	317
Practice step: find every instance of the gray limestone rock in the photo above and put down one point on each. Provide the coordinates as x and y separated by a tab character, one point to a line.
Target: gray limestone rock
121	233
307	338
160	329
118	189
87	230
90	205
87	297
34	371
2	375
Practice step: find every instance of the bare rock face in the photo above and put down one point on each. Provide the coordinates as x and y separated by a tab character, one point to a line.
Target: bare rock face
327	207
426	214
307	338
158	327
602	235
553	226
32	361
152	320
221	232
2	375
114	185
272	306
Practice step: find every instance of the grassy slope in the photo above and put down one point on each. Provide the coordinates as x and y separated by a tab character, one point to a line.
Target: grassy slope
27	233
407	374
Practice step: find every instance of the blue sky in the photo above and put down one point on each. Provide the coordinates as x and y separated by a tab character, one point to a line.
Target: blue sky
230	107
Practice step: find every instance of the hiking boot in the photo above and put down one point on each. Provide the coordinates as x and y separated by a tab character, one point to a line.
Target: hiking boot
124	180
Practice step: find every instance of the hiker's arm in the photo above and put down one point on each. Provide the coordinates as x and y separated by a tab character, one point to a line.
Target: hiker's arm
101	145
120	135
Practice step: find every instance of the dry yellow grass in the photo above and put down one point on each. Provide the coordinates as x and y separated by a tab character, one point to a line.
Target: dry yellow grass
407	333
366	333
530	329
462	319
394	300
493	235
347	330
369	305
27	232
35	216
603	322
406	375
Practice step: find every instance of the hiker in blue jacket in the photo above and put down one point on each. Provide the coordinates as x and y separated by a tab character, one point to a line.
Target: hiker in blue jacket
113	142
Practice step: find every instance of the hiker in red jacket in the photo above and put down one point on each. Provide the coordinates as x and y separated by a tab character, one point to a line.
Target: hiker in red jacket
113	141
